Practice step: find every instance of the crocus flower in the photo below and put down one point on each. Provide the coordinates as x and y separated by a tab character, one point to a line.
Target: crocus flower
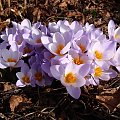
99	73
81	44
114	33
59	44
24	77
77	57
11	57
71	76
34	37
116	59
102	53
37	75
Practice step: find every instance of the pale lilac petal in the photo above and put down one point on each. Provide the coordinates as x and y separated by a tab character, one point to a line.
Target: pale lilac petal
74	91
53	27
111	28
26	35
36	32
4	37
6	54
117	56
64	28
118	68
105	76
26	23
20	84
71	67
84	70
103	64
55	71
117	34
46	41
80	81
92	81
68	36
14	46
72	54
66	48
10	37
112	73
75	26
19	63
78	35
19	75
52	47
25	68
97	46
58	38
2	66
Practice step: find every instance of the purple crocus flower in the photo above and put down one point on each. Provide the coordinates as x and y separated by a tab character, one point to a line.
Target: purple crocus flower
59	44
11	57
71	76
37	75
24	77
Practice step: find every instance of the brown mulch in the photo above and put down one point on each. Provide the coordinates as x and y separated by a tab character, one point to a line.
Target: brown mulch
52	102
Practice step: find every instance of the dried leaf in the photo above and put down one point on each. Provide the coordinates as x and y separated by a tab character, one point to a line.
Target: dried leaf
4	24
110	98
7	86
63	5
15	100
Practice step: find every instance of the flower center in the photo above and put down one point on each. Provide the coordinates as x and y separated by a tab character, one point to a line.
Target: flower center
11	60
98	55
38	76
82	47
78	61
117	36
38	40
19	42
27	50
70	78
59	48
98	72
26	79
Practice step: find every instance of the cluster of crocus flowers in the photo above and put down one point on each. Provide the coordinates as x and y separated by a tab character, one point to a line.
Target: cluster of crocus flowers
75	54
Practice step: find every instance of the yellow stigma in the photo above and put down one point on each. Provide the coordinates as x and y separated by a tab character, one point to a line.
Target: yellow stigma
70	78
38	76
27	50
98	55
82	47
19	42
98	72
117	36
26	79
78	61
11	60
38	40
59	48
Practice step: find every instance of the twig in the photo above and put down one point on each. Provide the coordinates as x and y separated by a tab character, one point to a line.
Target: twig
1	8
25	4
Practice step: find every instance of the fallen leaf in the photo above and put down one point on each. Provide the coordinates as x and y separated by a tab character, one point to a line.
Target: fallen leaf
8	86
110	98
15	100
63	5
4	24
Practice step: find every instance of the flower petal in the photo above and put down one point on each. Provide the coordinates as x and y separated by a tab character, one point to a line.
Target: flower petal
20	84
26	23
74	91
55	71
